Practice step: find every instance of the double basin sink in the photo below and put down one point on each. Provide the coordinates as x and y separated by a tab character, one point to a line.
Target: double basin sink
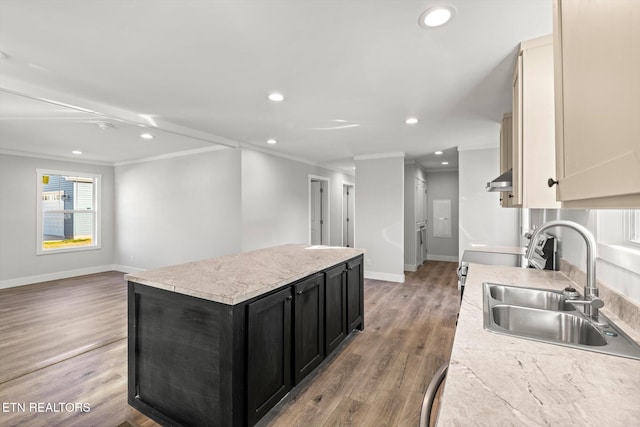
545	315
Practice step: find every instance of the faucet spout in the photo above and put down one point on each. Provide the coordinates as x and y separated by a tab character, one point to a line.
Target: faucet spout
591	288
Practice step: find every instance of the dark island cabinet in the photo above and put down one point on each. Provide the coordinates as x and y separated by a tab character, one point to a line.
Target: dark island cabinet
335	310
269	352
196	362
308	325
355	295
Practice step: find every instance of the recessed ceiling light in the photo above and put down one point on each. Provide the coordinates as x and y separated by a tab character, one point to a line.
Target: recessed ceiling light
436	16
146	136
411	121
271	141
445	163
78	152
438	153
105	125
276	97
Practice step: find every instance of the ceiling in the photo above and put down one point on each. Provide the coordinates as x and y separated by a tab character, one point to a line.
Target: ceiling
198	73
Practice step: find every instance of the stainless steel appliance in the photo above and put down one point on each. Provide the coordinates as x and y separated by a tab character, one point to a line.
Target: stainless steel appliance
544	258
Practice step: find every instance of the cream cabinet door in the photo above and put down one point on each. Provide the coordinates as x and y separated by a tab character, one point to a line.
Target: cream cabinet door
515	195
506	157
533	125
597	95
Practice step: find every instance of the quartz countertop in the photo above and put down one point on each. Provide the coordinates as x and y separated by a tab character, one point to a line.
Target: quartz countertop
236	278
499	380
516	250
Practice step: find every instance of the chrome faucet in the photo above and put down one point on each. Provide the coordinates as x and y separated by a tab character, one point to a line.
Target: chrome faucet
591	301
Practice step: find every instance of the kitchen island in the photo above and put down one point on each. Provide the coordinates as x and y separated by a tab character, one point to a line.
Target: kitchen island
219	342
500	380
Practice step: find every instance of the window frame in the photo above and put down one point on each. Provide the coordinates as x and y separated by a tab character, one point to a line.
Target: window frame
97	183
614	243
632	227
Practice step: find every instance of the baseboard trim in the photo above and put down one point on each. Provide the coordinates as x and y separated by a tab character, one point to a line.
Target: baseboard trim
410	267
448	258
127	269
387	277
29	280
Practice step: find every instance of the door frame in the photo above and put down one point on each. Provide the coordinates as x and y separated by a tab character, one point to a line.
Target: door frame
326	225
352	216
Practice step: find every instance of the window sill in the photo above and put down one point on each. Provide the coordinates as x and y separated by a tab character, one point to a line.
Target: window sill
66	250
623	256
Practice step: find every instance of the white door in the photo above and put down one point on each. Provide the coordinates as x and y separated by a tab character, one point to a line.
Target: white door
420	198
318	214
420	201
347	215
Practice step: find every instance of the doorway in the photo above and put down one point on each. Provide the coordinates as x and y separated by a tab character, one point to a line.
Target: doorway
420	199
318	210
348	214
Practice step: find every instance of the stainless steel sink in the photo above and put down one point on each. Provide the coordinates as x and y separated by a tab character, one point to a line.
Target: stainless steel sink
544	315
547	325
529	297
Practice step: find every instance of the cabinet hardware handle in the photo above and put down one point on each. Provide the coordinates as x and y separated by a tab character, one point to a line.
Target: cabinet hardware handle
551	182
299	293
289	298
511	196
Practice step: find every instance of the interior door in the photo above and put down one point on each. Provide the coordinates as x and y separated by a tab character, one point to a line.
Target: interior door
316	213
347	215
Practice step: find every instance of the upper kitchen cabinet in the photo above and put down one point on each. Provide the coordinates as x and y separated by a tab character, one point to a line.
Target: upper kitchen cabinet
533	148
506	156
597	102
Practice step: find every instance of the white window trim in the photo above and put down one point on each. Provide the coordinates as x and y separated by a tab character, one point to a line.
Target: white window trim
621	251
97	229
629	228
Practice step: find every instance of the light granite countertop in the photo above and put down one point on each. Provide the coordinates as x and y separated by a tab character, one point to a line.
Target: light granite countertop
499	380
236	278
516	250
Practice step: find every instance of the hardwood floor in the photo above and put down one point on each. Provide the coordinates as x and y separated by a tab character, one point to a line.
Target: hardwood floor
65	341
379	376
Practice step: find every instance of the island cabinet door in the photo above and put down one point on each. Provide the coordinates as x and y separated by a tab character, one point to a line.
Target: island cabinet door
355	296
335	307
268	353
308	324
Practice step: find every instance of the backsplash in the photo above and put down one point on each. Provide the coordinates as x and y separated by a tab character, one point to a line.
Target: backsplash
571	247
624	308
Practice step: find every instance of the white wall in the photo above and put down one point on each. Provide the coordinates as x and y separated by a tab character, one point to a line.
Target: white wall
379	215
19	263
178	209
482	220
168	211
275	200
572	248
443	186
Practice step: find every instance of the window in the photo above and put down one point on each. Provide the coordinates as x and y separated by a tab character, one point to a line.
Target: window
633	227
619	238
67	211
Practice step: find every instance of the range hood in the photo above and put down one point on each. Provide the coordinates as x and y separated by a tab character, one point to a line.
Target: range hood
501	183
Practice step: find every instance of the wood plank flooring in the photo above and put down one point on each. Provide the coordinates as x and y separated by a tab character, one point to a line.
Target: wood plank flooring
380	375
65	341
